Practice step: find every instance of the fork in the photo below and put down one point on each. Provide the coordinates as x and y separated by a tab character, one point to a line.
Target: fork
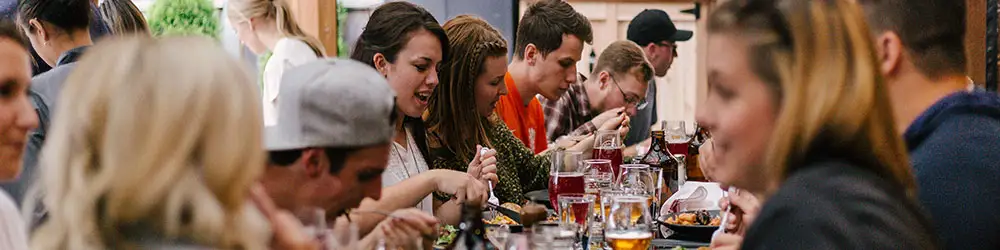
493	199
725	216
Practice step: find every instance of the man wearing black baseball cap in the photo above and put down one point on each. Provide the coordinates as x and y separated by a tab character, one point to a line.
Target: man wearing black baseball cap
653	30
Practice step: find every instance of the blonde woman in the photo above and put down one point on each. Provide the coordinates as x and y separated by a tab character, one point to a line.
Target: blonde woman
799	116
152	149
268	25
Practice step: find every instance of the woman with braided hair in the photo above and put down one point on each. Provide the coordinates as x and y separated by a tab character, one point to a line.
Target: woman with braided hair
461	114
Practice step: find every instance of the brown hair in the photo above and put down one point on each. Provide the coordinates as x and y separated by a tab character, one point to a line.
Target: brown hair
823	75
932	31
277	10
68	15
123	17
624	57
472	40
545	23
390	27
11	32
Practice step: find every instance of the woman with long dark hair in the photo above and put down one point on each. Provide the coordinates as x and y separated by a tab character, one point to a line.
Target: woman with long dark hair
404	43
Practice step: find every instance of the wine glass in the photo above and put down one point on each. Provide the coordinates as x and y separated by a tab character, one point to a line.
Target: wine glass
634	178
608	145
629	226
576	209
677	137
565	175
549	235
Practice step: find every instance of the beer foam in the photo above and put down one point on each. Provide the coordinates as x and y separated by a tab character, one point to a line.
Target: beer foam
629	235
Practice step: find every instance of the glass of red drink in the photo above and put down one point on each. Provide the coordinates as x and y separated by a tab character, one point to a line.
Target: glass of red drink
608	145
565	175
677	137
576	208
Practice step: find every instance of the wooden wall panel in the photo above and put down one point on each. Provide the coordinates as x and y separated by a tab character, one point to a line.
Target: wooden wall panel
318	18
975	39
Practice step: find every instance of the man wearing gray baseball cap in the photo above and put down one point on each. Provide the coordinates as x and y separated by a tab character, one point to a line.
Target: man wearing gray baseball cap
330	144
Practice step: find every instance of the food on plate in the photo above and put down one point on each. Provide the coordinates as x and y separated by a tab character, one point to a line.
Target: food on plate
512	206
682	248
700	218
501	219
448	233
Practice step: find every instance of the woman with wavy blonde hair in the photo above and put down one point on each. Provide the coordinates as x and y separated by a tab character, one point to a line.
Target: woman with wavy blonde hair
800	116
268	25
152	147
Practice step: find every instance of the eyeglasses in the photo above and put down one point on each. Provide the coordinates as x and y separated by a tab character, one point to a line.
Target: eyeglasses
639	102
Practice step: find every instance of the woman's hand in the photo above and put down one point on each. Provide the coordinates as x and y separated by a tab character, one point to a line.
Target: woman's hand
484	165
288	231
407	228
463	186
727	242
706	159
746	206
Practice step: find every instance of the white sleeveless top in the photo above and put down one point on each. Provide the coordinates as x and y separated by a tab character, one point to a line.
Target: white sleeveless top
288	53
404	163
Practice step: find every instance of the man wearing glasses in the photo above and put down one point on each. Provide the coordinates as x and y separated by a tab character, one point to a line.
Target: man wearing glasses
653	30
616	88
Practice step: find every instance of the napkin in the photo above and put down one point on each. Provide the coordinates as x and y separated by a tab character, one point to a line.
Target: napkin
681	200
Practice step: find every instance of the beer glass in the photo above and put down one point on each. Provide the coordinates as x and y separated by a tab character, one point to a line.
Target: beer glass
629	226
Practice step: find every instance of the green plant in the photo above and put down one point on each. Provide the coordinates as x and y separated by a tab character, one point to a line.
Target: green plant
341	25
184	17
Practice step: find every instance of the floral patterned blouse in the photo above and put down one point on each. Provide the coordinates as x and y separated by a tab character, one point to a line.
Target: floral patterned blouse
518	168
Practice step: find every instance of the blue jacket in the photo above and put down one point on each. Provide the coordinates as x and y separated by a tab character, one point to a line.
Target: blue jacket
955	150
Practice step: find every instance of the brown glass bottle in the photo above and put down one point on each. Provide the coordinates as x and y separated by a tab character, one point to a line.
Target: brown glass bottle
694	173
659	156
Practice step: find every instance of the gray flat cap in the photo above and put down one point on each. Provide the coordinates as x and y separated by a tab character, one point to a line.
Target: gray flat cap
332	103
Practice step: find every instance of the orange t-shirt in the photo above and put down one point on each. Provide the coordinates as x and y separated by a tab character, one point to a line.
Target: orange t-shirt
527	122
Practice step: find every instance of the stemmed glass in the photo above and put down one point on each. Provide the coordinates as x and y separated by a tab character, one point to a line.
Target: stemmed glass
677	137
629	225
576	209
608	145
634	179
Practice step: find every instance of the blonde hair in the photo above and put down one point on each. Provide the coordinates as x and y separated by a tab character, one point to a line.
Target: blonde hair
123	17
825	79
624	57
277	10
150	138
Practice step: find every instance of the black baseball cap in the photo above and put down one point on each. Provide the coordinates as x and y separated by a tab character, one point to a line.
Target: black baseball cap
654	26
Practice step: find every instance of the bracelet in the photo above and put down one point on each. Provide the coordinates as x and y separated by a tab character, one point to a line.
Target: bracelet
441	196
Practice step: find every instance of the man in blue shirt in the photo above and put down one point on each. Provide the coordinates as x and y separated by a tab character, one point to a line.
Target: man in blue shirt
653	30
952	133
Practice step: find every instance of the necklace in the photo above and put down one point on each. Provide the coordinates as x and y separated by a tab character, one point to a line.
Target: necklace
409	149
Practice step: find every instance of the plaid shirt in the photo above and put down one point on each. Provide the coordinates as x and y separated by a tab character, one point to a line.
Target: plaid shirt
570	115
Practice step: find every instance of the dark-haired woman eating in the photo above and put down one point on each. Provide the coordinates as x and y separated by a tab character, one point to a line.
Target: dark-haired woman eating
405	44
461	111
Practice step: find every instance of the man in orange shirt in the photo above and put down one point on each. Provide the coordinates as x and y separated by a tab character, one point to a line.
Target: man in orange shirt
550	39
